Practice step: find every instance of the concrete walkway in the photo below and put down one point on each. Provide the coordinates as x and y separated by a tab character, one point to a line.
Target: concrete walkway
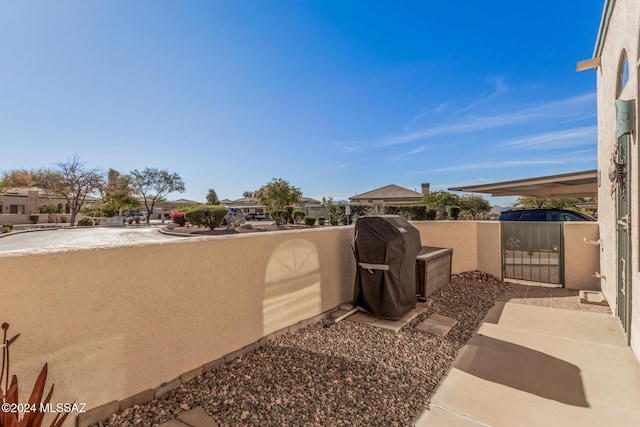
536	366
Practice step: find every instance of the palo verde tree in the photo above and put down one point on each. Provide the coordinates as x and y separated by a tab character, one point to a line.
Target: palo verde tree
72	181
278	194
212	197
153	185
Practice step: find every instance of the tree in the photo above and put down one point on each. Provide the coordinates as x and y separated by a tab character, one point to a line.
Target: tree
153	185
20	178
118	201
278	194
436	199
72	181
249	194
534	202
475	205
212	197
116	194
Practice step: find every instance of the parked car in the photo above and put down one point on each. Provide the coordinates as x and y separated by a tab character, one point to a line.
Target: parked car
544	214
536	237
234	216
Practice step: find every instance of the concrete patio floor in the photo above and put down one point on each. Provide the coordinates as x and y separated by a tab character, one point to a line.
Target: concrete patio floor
532	365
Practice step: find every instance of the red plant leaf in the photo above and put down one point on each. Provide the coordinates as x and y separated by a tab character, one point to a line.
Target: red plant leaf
58	423
36	396
39	416
13	339
12	392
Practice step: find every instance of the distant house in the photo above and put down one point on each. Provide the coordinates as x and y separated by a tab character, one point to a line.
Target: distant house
390	195
28	201
250	205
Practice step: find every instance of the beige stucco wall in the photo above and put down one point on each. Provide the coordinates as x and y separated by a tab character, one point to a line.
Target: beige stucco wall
622	34
114	322
581	259
475	244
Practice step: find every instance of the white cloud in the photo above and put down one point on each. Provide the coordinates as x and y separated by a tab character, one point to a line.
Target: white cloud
569	108
573	137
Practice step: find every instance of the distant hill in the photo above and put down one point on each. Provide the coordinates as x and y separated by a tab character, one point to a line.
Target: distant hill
495	209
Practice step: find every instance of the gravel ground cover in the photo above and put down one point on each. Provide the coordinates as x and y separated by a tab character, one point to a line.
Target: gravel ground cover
347	374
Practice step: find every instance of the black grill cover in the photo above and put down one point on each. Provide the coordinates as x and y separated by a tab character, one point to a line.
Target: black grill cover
385	248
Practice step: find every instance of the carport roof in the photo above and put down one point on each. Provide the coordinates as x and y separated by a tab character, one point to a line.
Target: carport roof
568	185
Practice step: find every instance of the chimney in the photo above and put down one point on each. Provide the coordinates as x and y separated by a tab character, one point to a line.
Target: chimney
425	188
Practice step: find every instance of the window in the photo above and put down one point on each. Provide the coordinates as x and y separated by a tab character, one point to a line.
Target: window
534	216
16	209
623	73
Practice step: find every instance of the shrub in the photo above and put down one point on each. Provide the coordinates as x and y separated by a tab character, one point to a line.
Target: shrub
298	216
6	228
64	219
430	214
34	218
309	221
280	216
210	216
85	222
136	219
321	220
178	218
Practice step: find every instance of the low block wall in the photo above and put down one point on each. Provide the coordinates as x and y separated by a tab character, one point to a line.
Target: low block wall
116	322
475	244
581	259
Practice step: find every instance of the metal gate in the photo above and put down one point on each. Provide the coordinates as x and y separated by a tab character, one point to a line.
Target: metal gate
533	251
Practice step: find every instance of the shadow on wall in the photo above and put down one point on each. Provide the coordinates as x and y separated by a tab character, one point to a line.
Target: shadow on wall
292	285
524	369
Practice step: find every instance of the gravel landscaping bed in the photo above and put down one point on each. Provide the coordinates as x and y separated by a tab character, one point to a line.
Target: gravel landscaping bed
347	374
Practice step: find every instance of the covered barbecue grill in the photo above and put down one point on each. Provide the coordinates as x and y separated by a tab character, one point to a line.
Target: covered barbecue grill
385	248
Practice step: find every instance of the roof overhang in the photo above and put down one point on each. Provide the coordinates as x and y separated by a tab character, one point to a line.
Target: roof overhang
569	185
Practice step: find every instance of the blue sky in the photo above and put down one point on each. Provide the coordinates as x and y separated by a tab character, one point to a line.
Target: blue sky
336	97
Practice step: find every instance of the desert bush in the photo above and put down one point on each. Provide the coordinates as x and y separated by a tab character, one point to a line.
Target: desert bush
321	220
297	216
85	222
64	219
6	228
309	221
136	219
210	216
281	216
178	218
34	218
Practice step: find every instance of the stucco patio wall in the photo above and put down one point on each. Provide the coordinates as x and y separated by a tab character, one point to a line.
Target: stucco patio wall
475	244
581	259
116	322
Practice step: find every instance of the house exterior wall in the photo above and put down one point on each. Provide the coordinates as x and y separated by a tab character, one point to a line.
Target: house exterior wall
622	34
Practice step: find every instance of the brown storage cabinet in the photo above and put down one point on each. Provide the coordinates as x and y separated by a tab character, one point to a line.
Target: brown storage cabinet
433	269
